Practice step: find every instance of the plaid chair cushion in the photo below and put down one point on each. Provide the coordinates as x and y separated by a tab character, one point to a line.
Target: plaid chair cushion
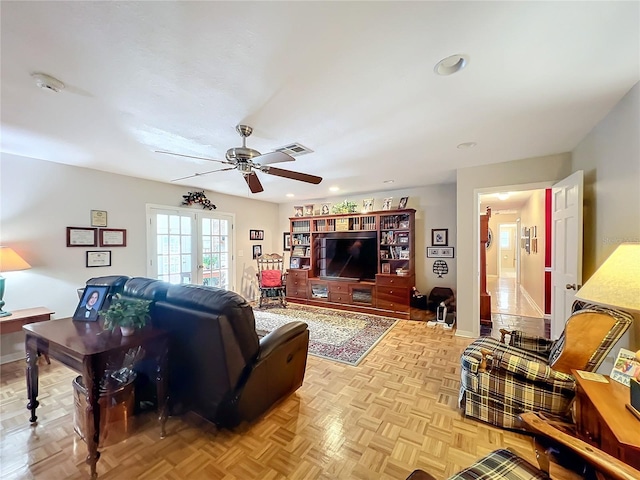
519	339
501	464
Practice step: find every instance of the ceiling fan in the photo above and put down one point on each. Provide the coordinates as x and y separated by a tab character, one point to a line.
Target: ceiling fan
247	161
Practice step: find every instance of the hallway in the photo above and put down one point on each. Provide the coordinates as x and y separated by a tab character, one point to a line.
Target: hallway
511	310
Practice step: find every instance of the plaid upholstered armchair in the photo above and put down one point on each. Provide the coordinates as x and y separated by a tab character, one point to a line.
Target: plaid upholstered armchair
499	381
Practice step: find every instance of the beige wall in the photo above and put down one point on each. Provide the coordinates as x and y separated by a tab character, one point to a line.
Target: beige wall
532	173
610	158
435	208
532	264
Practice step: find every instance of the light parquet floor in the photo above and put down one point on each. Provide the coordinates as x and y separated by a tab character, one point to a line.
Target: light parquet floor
395	412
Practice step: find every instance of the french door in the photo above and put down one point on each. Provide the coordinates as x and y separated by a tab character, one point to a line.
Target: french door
190	247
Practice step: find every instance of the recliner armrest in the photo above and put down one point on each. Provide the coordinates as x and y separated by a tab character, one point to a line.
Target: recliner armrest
280	335
531	343
530	369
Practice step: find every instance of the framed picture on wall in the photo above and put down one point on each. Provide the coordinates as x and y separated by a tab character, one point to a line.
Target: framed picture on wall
440	237
286	241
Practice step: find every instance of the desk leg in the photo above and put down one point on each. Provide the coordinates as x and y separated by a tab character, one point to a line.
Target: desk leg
161	386
31	348
91	374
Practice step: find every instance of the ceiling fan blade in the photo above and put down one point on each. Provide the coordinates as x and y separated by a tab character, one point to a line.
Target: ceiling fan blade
273	157
190	156
303	177
254	182
203	173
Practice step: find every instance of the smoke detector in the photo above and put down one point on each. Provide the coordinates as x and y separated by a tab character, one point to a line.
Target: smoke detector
47	82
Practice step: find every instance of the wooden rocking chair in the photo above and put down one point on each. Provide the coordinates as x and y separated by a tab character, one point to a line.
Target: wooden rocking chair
271	278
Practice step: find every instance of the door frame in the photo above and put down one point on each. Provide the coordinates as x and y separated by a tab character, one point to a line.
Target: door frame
476	235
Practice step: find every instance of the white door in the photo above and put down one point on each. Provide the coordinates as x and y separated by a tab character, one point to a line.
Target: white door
566	253
190	247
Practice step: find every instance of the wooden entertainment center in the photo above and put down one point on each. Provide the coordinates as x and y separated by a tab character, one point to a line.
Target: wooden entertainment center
362	262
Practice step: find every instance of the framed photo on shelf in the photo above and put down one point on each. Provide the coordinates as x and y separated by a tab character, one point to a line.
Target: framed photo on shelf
403	203
403	224
82	237
298	211
367	205
256	234
439	237
325	209
386	204
386	268
91	303
98	218
440	252
98	258
113	237
286	241
295	262
308	210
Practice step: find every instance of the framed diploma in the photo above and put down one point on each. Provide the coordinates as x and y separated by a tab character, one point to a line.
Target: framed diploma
113	237
99	258
98	218
82	237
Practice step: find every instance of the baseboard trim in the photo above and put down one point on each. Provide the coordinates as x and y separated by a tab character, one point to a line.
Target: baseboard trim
531	301
12	357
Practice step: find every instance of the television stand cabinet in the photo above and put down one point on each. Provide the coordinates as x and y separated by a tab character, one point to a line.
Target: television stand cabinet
391	249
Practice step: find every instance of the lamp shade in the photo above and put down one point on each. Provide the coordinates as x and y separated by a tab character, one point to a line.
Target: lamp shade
617	282
10	261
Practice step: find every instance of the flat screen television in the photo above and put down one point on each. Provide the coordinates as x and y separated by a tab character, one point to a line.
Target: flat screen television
349	255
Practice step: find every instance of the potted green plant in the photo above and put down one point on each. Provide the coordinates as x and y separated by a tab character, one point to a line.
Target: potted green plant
126	313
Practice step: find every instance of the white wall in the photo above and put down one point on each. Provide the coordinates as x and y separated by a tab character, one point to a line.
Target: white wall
40	199
470	180
435	208
610	158
532	263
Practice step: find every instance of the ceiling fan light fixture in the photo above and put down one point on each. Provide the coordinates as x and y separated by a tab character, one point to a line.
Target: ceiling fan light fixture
451	65
290	195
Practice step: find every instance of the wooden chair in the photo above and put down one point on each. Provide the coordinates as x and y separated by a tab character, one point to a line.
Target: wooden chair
506	464
271	278
500	381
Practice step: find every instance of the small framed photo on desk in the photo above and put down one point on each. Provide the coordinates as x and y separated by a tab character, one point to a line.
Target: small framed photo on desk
91	303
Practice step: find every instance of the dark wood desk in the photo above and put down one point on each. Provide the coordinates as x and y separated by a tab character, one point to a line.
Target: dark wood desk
603	420
88	349
18	318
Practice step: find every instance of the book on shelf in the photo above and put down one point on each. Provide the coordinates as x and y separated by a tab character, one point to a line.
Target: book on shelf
298	251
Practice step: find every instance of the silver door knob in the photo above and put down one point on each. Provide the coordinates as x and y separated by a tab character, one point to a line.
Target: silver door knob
571	286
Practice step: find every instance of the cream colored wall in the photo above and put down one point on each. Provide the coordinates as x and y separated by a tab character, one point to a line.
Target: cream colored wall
40	199
435	208
610	158
470	181
532	264
492	252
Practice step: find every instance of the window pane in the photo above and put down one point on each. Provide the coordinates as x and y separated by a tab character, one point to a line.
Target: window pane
215	223
162	224
186	225
186	244
174	224
504	239
206	226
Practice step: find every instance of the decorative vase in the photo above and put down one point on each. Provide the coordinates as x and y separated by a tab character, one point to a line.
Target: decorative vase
127	331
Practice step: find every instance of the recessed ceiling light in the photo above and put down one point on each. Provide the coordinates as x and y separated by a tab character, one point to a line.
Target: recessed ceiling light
333	189
290	195
388	181
466	145
451	65
503	196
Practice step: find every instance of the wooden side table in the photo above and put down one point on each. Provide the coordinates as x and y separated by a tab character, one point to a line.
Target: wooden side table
603	420
18	318
90	350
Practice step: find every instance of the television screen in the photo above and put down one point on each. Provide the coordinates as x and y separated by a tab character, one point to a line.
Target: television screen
349	255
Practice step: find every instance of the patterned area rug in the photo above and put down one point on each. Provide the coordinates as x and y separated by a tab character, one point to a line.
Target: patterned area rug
345	337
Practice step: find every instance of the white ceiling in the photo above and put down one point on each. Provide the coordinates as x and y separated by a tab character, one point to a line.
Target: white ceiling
353	81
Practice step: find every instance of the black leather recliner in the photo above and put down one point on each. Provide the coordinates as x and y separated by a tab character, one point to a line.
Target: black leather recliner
218	367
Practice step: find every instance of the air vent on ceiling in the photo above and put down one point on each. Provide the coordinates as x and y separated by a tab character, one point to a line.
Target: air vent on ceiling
294	149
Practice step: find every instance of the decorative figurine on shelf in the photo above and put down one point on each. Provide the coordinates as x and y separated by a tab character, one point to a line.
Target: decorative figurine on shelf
198	197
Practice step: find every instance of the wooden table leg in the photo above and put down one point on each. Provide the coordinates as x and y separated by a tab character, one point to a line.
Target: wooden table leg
91	374
31	348
161	386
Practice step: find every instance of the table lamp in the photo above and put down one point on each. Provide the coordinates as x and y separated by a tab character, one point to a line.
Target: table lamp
617	284
10	261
